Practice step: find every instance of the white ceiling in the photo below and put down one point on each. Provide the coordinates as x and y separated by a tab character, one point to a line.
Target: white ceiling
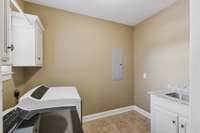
129	12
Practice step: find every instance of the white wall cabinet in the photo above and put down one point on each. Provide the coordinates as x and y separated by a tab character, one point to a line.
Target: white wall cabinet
168	116
27	40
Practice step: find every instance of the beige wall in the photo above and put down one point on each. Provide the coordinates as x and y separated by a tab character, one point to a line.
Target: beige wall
21	4
77	52
17	81
161	49
9	86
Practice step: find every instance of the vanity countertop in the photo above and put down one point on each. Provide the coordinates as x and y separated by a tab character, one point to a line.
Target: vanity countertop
171	103
183	97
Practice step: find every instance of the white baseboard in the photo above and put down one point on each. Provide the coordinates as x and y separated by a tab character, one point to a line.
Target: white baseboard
107	113
142	111
115	112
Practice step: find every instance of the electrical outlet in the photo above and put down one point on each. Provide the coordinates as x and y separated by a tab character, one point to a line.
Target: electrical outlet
16	94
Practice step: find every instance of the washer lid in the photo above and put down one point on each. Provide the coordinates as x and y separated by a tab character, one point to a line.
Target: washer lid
55	93
52	97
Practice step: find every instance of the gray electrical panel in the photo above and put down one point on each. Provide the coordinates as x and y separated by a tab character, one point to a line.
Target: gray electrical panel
117	64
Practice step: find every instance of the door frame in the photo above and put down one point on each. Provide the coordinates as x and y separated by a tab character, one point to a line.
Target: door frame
194	65
1	51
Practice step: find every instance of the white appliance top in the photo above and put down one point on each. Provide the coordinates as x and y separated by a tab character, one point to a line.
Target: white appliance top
52	97
55	93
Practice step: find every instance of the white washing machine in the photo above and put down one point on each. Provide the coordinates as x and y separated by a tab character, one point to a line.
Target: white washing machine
46	110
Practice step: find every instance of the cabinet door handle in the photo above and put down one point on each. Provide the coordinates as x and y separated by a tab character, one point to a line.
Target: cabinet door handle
174	122
11	47
182	126
36	130
38	58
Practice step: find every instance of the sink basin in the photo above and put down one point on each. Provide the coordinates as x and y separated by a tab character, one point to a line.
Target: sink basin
173	94
176	95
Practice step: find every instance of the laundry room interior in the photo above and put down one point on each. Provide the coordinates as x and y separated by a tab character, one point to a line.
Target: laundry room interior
122	60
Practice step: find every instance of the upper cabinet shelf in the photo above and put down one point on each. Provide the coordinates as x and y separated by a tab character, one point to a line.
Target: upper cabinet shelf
27	40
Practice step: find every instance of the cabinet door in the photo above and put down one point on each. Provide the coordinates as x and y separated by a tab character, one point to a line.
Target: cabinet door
24	42
39	46
183	125
163	121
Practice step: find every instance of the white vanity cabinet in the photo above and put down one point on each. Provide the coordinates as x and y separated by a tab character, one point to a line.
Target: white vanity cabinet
27	40
183	125
168	116
164	121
